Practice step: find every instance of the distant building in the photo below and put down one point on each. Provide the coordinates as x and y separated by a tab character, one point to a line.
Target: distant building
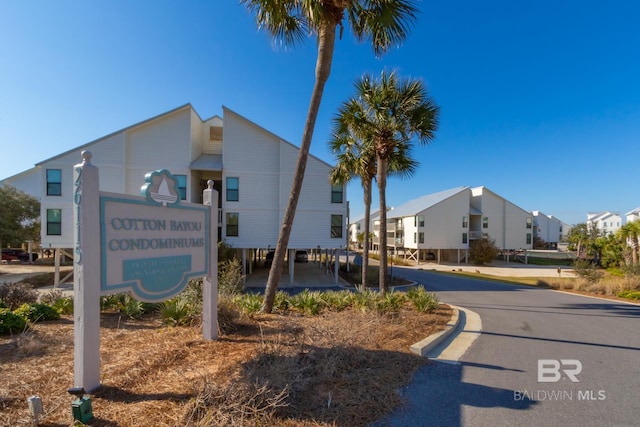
357	226
633	215
607	222
442	225
548	229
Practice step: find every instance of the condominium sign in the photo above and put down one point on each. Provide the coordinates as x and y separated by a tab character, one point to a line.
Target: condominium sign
149	246
148	251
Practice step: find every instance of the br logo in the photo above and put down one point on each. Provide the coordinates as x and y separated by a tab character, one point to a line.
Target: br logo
550	370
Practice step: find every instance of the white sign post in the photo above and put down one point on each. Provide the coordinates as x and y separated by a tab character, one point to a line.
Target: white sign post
149	246
86	275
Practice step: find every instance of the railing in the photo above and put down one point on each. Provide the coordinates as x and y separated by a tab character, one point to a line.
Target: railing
474	235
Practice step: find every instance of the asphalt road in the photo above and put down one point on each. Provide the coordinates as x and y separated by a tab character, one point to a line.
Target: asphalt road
497	382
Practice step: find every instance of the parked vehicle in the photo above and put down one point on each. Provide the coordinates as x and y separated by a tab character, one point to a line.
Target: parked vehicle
302	256
8	255
18	254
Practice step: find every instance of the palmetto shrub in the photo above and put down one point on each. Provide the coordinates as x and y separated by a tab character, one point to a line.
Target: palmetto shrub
338	301
282	301
423	301
391	302
249	304
176	312
309	302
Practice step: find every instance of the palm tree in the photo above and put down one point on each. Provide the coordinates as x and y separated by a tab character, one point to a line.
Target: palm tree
391	113
356	157
384	23
630	233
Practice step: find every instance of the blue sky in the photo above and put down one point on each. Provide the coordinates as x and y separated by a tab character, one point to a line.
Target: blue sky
540	101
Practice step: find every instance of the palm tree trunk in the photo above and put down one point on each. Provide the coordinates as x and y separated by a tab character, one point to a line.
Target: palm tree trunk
326	41
382	189
366	185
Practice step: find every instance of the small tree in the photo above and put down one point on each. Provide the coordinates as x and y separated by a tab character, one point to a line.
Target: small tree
19	215
483	251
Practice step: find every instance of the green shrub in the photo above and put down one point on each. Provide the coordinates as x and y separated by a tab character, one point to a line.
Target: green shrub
112	302
249	303
308	302
35	312
364	300
16	294
423	301
586	270
391	302
131	307
282	301
63	305
11	323
483	251
176	312
2	304
338	301
635	295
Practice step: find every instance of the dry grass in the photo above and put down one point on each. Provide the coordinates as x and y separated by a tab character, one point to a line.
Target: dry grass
338	369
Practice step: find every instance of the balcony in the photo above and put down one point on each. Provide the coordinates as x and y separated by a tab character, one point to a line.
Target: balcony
475	235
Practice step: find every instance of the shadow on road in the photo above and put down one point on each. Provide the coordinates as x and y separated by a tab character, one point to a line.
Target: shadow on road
437	394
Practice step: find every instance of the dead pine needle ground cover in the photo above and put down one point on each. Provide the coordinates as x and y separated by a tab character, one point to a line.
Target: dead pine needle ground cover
334	369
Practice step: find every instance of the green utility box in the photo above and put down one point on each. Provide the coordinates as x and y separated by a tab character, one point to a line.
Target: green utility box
81	409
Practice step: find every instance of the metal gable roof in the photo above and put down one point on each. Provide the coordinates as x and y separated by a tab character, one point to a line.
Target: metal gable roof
208	162
413	207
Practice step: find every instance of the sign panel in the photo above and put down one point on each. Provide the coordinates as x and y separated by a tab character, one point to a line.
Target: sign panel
152	245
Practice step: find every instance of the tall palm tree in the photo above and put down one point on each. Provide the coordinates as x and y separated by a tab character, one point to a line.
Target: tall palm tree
392	112
384	23
630	233
355	155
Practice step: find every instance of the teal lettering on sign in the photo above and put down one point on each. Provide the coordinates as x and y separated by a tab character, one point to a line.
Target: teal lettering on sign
157	278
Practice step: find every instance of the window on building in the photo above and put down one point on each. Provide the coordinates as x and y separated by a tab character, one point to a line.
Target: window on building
232	224
415	237
233	188
181	181
54	222
54	182
358	226
420	220
336	193
465	238
528	238
421	237
529	223
336	226
465	222
485	222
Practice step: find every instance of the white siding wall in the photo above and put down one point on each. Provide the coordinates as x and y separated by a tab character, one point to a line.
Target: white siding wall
548	228
516	227
251	155
443	223
264	165
161	144
29	182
